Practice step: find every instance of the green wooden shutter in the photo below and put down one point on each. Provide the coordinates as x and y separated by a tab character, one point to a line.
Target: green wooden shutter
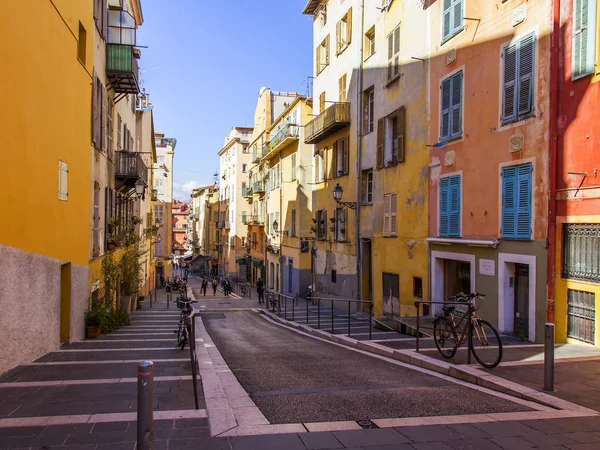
444	207
523	222
380	141
509	193
526	73
509	90
445	117
454	206
447	20
456	101
457	16
401	133
584	36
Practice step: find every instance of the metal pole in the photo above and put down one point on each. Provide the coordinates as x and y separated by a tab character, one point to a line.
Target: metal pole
418	332
145	425
306	312
370	318
549	357
150	300
348	318
294	301
332	330
168	299
319	313
470	338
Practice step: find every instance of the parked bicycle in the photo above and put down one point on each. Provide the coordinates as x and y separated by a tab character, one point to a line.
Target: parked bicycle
273	302
185	323
485	342
244	290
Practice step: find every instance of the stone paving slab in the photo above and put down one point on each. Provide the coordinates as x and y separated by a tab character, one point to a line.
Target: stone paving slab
138	355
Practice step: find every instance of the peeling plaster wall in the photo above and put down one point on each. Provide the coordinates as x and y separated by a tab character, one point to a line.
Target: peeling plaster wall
30	319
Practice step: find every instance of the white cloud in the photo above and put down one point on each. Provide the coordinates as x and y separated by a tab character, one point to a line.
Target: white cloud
183	189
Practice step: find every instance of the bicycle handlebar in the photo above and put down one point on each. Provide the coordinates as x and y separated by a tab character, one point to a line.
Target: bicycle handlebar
463	296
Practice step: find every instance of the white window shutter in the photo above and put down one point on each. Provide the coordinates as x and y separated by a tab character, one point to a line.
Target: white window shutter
393	214
386	214
63	180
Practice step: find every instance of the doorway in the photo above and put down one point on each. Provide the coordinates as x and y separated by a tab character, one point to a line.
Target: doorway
521	292
366	284
457	277
65	302
391	294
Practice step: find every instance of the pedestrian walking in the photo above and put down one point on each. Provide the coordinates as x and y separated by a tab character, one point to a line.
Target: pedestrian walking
260	288
214	284
204	286
162	281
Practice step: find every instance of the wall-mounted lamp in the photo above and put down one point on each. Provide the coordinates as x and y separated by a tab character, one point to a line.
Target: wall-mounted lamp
338	192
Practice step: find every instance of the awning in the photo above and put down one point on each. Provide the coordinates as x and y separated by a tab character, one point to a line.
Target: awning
241	261
257	261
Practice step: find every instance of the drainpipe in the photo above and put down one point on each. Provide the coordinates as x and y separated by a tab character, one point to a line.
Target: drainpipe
359	115
554	113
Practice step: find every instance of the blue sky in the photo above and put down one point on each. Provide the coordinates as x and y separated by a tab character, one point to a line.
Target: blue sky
205	64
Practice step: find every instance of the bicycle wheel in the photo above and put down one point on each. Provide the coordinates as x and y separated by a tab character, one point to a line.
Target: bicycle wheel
183	337
487	346
445	337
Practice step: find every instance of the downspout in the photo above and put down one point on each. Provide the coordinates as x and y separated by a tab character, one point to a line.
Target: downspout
554	113
280	233
359	114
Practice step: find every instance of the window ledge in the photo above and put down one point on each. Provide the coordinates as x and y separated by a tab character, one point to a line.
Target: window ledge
369	57
519	119
393	164
448	240
449	38
391	81
342	50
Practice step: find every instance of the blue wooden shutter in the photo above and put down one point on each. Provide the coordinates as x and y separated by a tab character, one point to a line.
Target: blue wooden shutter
523	222
584	25
509	191
456	102
457	16
447	20
454	227
445	117
509	90
444	206
526	73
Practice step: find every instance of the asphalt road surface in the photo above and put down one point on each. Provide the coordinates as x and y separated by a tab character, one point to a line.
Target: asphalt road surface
294	378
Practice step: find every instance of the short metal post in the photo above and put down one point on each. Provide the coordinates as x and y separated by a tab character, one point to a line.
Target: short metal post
284	306
348	318
418	332
332	330
319	313
370	318
470	339
294	301
168	299
549	357
151	300
145	401
306	312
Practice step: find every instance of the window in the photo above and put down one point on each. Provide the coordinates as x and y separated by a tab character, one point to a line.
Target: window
517	91
322	12
322	224
370	42
81	44
342	88
322	55
158	213
334	276
369	105
391	138
452	18
450	206
581	251
393	65
451	111
245	149
367	186
343	32
340	157
293	233
516	201
584	37
98	113
244	168
63	181
243	241
322	102
159	185
109	128
293	167
160	161
158	250
96	230
390	211
418	287
318	168
341	220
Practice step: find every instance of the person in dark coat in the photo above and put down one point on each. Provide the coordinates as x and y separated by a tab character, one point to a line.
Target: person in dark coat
260	288
214	285
204	286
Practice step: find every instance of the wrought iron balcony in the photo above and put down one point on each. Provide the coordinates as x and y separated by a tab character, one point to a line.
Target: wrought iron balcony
122	68
333	119
258	187
129	167
247	193
285	136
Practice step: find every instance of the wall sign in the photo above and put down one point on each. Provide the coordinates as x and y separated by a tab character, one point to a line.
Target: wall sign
487	267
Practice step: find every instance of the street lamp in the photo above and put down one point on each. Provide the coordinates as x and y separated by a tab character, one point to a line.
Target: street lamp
140	188
337	195
275	226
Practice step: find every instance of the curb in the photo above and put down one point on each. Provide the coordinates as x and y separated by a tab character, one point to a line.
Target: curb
466	373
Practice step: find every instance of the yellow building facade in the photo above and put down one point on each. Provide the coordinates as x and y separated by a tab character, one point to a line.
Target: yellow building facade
47	101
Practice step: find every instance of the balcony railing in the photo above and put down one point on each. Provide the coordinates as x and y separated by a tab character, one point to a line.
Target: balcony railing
334	118
247	193
122	68
257	219
129	167
258	187
284	137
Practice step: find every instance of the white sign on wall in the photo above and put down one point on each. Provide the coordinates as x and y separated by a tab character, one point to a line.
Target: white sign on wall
487	267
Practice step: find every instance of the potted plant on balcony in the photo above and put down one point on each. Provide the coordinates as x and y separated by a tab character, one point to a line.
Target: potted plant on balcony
136	220
113	242
93	318
113	223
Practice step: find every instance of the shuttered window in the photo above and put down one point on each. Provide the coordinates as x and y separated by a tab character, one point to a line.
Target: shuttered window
452	18
450	210
393	65
340	157
342	88
63	181
584	37
516	201
341	220
343	32
322	55
293	167
380	141
390	210
101	17
451	111
518	81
